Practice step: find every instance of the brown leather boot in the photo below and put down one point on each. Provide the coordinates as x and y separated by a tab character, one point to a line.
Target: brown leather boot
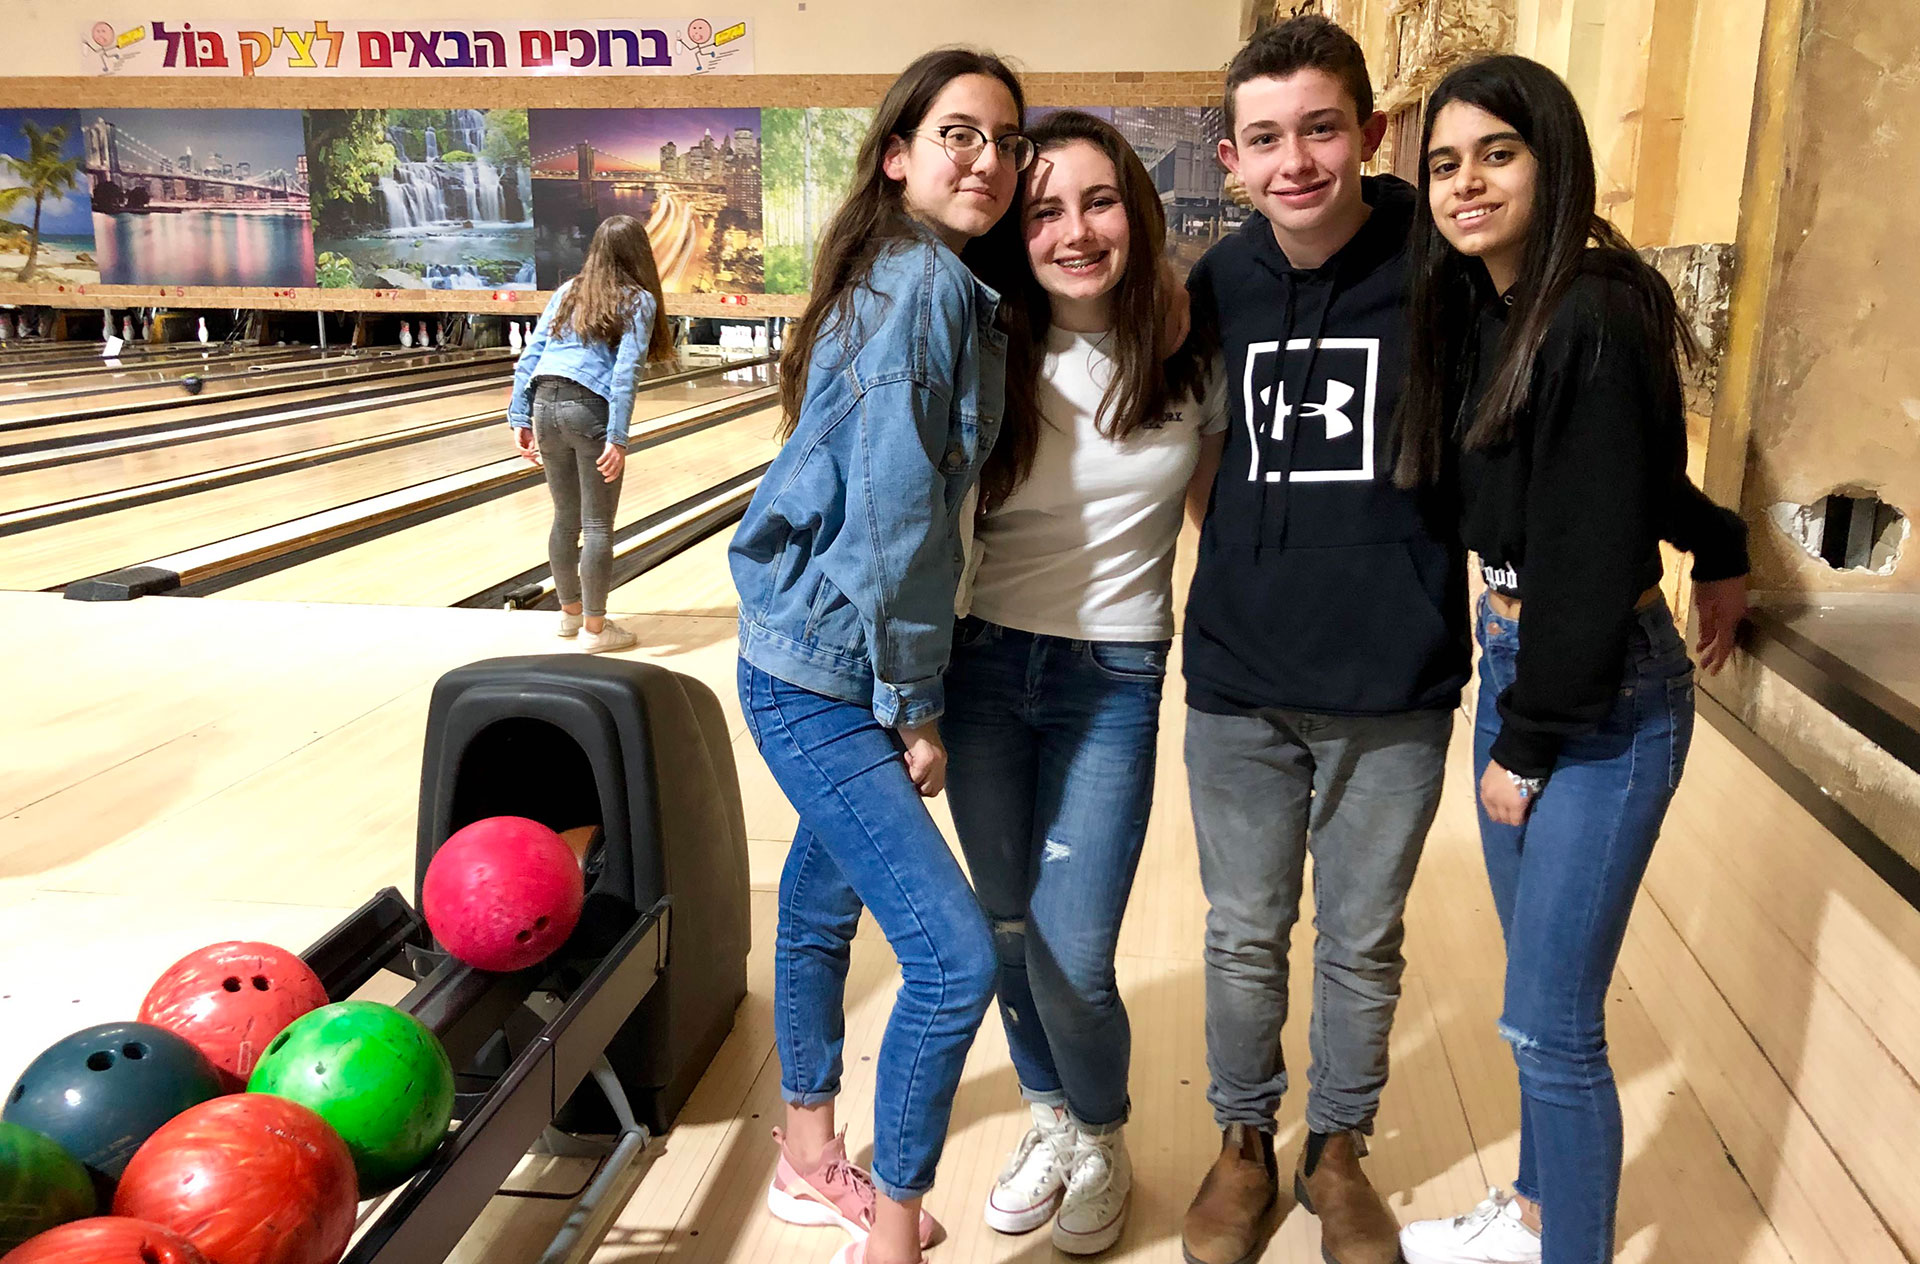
1356	1226
1227	1219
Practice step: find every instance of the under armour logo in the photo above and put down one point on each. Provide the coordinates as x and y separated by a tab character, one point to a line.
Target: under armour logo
1331	410
1347	373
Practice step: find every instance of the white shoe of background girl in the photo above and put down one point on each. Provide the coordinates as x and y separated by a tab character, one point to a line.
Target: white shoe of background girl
610	638
1492	1233
569	625
1093	1211
1031	1184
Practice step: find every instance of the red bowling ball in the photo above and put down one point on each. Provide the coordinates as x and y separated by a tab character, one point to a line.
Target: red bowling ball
503	893
230	1000
107	1240
248	1179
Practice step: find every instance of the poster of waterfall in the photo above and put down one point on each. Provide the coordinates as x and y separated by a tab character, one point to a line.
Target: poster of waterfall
46	220
1180	147
198	197
692	176
421	199
808	159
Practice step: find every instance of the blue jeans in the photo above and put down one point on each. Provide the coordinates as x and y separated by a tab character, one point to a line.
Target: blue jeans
1563	885
865	839
1050	777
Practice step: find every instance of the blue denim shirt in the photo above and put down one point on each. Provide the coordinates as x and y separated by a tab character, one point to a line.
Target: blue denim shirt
848	557
608	372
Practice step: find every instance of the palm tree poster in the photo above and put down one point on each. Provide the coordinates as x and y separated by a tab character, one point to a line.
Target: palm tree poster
199	197
692	176
809	156
421	199
46	226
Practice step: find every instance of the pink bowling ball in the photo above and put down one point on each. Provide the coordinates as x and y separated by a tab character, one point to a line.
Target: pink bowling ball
503	893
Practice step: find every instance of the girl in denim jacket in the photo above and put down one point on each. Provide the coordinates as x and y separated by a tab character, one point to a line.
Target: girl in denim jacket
847	562
572	398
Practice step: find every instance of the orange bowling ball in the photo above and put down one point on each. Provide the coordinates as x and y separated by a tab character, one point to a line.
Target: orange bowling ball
230	1000
107	1240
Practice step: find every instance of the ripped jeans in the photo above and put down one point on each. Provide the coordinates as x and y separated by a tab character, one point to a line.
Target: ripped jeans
1564	884
1051	747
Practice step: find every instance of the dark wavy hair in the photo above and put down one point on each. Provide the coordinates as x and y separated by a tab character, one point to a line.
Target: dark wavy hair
1566	235
875	216
600	301
1142	382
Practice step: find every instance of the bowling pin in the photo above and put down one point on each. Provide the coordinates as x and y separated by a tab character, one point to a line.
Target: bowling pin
440	334
6	328
513	337
406	333
203	331
126	329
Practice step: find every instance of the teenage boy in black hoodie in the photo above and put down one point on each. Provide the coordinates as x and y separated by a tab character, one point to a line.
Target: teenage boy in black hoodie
1326	639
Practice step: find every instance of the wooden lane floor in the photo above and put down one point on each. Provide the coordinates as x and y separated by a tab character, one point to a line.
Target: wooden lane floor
58	554
246	772
696	582
36	410
448	559
121	371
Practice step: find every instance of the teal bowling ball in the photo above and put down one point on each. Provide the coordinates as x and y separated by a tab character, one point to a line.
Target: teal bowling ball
102	1091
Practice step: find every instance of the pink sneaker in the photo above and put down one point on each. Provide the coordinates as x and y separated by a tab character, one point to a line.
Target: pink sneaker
837	1192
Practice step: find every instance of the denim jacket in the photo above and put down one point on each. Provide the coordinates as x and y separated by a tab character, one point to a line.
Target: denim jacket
848	556
608	372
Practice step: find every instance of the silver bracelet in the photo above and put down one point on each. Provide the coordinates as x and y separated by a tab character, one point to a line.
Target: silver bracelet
1527	786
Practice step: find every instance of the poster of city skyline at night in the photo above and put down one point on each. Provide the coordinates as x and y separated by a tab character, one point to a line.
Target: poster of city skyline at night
199	197
46	221
692	176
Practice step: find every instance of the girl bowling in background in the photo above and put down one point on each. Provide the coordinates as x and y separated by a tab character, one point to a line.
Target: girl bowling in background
572	400
893	385
1053	698
1544	391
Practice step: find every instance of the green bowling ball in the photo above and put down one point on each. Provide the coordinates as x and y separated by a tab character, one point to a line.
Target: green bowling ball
41	1185
379	1076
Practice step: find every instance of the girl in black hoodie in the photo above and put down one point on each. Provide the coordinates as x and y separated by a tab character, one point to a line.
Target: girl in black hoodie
1545	395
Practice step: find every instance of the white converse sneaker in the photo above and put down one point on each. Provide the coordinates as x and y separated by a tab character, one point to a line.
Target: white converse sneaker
611	637
1492	1233
1094	1208
1035	1177
569	625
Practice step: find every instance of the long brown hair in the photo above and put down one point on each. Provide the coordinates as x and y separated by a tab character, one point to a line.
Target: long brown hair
599	302
1142	382
875	216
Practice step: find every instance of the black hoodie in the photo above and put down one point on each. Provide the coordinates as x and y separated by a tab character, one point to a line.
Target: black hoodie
1320	586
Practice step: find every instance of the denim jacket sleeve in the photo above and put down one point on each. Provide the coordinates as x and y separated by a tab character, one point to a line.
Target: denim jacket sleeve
520	409
627	360
897	513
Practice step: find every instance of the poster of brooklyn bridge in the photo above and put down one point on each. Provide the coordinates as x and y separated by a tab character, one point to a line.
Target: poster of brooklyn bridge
199	197
692	176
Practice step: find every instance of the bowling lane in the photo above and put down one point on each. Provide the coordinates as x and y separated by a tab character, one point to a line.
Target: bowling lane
113	473
446	560
696	582
123	369
214	409
221	386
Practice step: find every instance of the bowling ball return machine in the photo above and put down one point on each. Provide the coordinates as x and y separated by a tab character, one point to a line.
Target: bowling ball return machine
593	1051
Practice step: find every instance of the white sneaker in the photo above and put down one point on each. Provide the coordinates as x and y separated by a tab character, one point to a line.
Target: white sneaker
611	637
1035	1177
569	625
1094	1208
1492	1233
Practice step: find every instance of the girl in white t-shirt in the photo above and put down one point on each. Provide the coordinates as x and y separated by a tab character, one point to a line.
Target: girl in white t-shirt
1053	694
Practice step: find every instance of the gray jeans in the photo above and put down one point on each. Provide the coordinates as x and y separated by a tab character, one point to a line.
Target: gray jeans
1360	793
570	427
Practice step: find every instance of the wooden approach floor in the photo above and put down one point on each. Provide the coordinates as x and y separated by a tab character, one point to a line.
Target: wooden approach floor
178	771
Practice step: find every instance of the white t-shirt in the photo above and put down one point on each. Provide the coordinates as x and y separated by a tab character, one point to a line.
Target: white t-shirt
1084	547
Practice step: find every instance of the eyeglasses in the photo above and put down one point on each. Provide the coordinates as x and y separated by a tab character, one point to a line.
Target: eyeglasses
964	145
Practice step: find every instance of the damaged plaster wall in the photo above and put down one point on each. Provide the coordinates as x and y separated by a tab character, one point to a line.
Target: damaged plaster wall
1839	408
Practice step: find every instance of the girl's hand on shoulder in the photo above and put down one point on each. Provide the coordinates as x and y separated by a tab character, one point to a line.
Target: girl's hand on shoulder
612	461
1502	799
926	757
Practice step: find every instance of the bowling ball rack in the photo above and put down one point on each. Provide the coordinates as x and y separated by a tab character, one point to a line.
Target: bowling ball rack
535	1036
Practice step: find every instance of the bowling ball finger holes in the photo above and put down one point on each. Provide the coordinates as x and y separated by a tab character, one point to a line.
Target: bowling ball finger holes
232	983
539	923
